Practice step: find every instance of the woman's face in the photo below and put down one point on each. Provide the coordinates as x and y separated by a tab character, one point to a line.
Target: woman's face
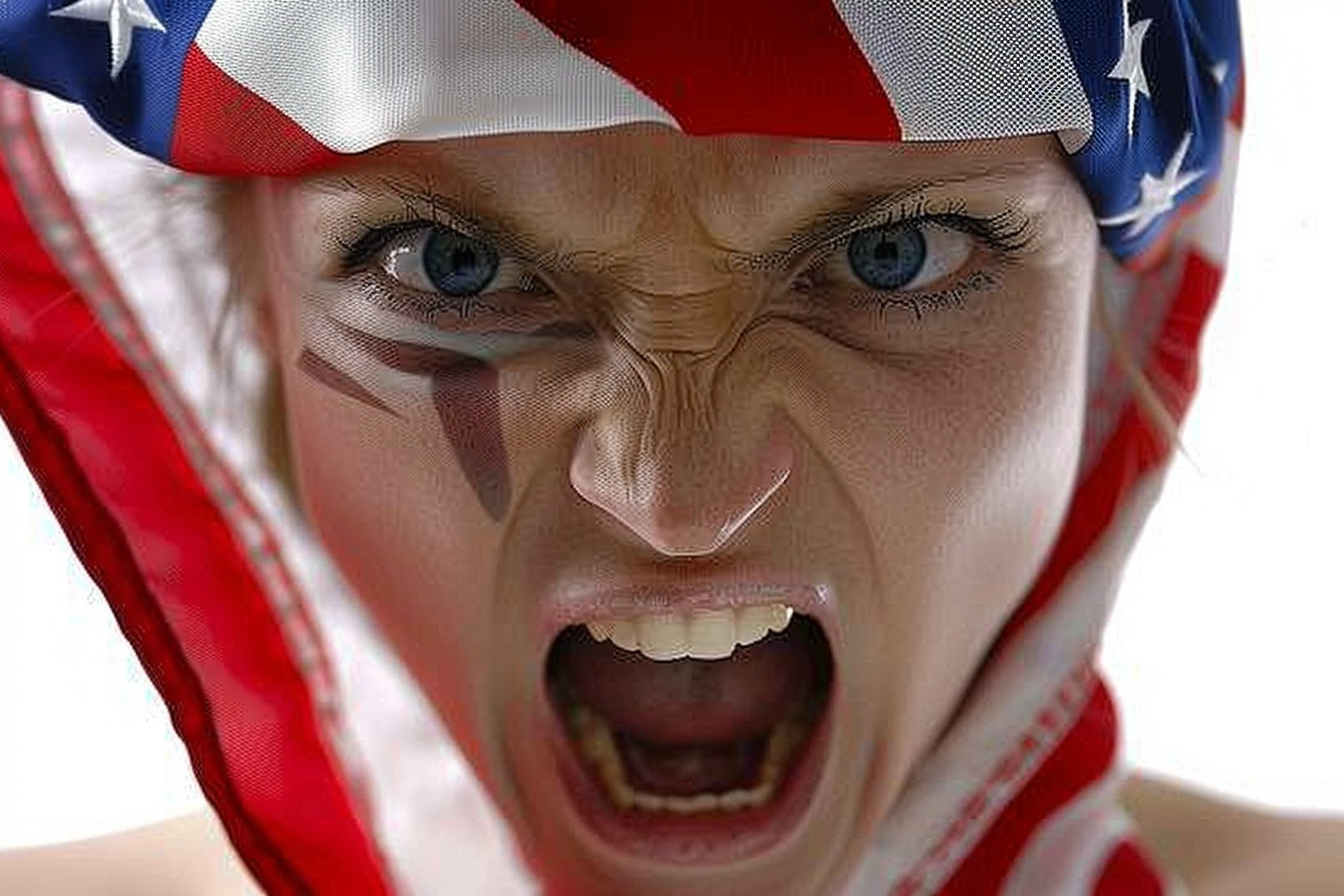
647	381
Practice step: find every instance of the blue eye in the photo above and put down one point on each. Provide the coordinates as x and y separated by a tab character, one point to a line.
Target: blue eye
432	258
888	257
457	265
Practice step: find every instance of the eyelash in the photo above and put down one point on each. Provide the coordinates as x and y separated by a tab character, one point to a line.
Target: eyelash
1007	234
355	265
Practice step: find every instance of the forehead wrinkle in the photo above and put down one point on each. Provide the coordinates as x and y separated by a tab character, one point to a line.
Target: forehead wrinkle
672	207
674	270
667	251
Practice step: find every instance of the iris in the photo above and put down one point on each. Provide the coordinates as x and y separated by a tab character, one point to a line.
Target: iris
887	257
458	265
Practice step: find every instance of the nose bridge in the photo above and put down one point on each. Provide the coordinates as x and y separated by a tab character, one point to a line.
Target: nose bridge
695	324
676	298
678	464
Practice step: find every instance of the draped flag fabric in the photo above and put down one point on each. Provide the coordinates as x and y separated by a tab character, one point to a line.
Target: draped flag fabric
196	85
312	746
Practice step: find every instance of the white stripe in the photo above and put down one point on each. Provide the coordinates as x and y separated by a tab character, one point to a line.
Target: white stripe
1211	227
966	69
357	73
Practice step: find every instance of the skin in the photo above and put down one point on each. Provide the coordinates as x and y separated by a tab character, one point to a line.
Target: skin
681	395
1216	847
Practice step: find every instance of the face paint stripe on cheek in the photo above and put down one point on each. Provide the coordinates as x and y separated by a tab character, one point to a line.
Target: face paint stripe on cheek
466	398
333	377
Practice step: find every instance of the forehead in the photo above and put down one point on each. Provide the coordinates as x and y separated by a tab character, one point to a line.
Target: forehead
614	184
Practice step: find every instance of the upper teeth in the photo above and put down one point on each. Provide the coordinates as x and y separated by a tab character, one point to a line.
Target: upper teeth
698	634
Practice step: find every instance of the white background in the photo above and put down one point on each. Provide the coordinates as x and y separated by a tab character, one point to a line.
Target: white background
1227	644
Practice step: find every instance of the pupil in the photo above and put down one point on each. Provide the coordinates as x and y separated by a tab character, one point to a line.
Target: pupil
458	265
887	257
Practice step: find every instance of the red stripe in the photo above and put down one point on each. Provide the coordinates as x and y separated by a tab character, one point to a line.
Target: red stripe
224	128
754	66
116	477
1238	114
1082	757
1129	872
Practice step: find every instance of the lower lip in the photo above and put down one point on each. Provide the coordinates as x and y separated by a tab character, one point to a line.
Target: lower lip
710	837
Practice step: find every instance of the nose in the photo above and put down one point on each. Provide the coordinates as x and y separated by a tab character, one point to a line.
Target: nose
682	478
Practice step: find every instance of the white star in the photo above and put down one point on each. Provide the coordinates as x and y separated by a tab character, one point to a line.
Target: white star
1219	72
1130	65
1157	195
122	18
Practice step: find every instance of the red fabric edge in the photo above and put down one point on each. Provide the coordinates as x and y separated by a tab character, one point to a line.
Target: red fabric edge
1082	756
65	412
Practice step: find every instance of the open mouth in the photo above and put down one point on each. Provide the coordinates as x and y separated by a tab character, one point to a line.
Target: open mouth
697	734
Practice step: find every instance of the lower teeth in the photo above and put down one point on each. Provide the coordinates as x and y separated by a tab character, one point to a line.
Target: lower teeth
598	746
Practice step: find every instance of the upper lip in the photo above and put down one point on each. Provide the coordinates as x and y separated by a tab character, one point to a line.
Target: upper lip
576	601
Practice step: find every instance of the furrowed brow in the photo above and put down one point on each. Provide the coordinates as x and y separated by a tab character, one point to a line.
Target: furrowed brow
836	215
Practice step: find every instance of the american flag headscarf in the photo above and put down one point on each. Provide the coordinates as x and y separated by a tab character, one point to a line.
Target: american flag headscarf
309	741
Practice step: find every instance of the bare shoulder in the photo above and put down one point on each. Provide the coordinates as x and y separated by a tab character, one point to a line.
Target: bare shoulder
185	856
1223	847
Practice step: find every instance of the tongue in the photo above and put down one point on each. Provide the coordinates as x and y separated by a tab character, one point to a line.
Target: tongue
686	771
691	702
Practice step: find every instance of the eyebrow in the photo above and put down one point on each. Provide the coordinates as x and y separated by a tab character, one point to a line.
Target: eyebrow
843	208
834	215
833	220
494	227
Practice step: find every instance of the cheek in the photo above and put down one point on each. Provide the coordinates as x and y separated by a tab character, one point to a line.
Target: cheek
385	495
1015	461
961	464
